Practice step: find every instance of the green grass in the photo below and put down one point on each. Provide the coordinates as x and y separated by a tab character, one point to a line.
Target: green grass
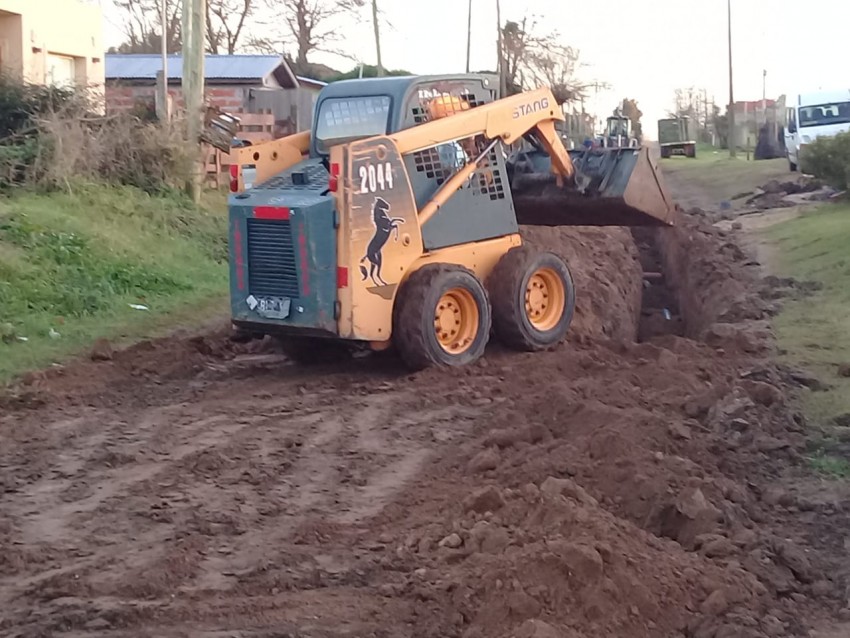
73	262
815	331
713	171
831	466
724	176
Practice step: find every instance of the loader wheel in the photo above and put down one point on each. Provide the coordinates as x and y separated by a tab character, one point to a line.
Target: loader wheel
533	299
441	317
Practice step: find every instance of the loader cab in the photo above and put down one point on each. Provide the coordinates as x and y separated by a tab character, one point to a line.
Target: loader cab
349	110
618	133
354	109
617	126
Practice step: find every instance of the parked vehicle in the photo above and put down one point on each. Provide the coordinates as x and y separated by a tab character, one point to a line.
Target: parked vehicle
675	137
813	115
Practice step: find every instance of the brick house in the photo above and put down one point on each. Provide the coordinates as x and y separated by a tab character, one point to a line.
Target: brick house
234	83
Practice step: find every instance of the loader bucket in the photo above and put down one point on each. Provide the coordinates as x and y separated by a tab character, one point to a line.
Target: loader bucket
614	187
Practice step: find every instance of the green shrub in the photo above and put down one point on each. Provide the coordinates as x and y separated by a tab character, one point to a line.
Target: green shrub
828	158
51	138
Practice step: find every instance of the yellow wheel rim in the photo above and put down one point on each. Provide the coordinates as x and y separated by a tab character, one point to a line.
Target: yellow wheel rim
545	296
456	320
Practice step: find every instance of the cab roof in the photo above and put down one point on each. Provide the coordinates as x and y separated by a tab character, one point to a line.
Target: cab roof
394	87
822	97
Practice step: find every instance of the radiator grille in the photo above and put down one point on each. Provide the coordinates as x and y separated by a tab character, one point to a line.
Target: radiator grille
271	259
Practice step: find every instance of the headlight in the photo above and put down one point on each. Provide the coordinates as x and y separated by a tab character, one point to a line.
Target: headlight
806	139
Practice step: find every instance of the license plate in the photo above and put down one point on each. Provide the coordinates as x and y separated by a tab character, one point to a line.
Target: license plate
273	307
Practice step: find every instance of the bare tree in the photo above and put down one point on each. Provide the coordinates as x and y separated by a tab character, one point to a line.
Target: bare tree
532	59
142	28
556	66
313	25
228	22
516	42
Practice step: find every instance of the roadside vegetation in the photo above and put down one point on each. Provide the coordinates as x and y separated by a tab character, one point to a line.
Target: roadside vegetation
713	171
816	330
95	238
828	158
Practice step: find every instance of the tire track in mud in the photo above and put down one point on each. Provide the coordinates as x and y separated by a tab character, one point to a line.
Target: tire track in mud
193	497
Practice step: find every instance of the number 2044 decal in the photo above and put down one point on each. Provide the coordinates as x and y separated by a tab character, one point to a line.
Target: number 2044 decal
374	178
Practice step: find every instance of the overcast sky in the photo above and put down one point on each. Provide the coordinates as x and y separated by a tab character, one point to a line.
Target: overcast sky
644	48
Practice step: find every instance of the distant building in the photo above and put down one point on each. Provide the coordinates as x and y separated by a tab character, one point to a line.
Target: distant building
52	41
234	83
751	116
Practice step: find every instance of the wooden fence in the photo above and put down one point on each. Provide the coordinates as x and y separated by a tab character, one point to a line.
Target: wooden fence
254	127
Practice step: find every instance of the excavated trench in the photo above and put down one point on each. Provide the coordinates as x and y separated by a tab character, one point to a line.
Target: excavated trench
661	312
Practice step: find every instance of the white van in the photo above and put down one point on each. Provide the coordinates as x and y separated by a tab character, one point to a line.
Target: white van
812	115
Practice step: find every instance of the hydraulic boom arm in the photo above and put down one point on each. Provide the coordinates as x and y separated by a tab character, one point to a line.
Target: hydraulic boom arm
507	119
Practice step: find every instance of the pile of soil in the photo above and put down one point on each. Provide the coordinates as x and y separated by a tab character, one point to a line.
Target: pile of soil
606	270
604	488
776	194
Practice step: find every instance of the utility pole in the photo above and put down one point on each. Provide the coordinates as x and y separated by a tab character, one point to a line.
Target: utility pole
731	113
194	28
162	88
377	37
468	34
764	94
503	84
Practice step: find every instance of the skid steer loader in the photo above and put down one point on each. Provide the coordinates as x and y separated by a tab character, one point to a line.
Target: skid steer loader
395	220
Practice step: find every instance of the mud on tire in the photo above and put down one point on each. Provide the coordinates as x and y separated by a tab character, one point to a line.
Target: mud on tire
508	285
417	306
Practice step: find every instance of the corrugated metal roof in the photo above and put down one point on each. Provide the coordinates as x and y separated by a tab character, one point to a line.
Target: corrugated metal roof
224	67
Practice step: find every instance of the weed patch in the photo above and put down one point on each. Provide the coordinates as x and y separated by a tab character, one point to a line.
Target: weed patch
815	332
71	265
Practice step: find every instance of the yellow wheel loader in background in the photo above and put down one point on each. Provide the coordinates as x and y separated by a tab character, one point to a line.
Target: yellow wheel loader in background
395	221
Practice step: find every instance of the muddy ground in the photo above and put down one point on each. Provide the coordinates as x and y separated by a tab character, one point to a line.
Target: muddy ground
644	479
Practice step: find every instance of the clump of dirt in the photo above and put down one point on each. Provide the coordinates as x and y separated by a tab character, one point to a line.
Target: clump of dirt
606	271
551	554
95	379
775	194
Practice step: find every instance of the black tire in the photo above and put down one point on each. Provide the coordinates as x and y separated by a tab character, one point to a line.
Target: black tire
414	334
665	153
507	285
692	151
313	350
792	166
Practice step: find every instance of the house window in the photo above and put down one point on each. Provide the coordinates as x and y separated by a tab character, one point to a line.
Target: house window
61	70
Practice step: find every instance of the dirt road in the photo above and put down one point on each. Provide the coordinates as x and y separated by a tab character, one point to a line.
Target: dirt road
196	487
